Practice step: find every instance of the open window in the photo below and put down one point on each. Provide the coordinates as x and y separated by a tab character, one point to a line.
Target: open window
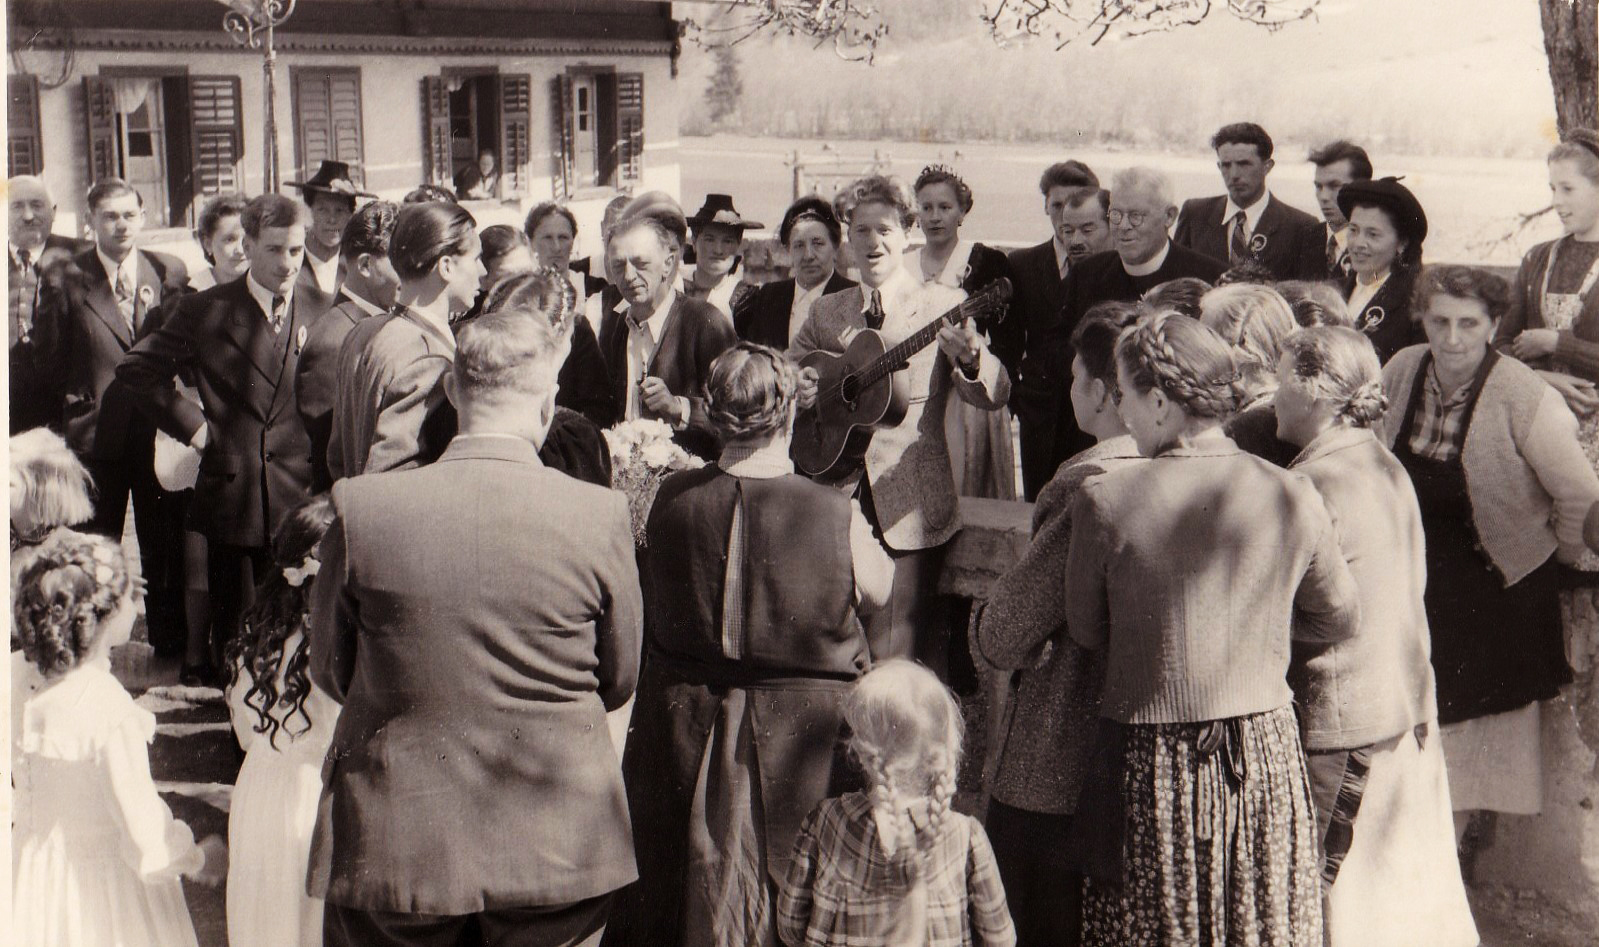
469	112
597	131
175	138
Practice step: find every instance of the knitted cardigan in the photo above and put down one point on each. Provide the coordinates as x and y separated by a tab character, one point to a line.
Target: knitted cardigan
1528	481
1577	348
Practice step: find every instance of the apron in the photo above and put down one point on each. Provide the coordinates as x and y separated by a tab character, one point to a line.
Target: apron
1494	648
1560	312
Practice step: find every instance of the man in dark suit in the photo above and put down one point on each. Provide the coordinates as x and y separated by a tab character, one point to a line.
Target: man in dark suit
368	290
35	394
1247	223
1040	398
476	617
92	308
659	344
239	345
1324	248
773	313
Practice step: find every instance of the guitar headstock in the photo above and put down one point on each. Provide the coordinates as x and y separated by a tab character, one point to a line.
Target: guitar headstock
989	304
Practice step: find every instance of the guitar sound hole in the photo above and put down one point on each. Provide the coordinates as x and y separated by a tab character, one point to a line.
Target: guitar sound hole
850	390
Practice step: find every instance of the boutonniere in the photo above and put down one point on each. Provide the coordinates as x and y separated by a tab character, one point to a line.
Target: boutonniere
146	296
1372	318
299	340
1257	243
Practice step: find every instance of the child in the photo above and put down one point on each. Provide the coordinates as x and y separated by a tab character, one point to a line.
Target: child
284	723
897	867
49	487
96	853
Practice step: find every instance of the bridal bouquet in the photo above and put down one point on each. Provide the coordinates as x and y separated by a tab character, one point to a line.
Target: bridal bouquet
642	455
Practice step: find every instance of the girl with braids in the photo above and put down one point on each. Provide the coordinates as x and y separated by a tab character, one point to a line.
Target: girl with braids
896	864
1195	823
96	854
1367	707
284	722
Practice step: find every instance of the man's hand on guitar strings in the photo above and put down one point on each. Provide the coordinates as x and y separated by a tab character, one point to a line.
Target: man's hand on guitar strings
808	380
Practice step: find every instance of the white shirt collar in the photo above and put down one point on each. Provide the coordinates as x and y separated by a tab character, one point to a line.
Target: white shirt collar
805	297
656	323
1341	237
1363	293
112	267
899	284
34	253
263	296
1150	265
954	267
325	271
362	303
1252	213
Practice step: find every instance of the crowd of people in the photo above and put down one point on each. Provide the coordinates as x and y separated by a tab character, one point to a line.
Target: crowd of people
1313	527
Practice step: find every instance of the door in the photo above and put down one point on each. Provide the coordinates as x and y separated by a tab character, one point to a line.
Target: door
585	131
144	145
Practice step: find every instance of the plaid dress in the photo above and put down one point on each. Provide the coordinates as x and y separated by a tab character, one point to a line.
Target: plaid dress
844	890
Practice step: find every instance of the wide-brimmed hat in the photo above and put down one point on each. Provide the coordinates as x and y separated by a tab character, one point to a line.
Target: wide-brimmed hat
1409	219
332	178
718	209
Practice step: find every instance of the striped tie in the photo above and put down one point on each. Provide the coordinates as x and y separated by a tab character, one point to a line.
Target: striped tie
1238	249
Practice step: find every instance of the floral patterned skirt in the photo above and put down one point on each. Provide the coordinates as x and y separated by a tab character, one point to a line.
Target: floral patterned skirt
1220	846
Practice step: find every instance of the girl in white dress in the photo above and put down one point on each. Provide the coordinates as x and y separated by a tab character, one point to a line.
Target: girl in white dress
96	854
284	723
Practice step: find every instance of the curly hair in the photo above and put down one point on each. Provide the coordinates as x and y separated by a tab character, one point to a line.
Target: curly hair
1254	320
1188	362
212	214
279	611
906	734
943	174
1340	365
63	591
1462	282
751	392
875	189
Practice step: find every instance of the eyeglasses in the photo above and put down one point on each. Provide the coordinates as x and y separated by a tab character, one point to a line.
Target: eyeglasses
1134	217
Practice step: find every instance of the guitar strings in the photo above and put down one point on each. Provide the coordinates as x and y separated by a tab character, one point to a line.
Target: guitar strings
836	389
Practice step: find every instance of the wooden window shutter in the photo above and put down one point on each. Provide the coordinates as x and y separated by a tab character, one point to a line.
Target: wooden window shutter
436	126
516	132
24	150
327	119
630	128
216	134
562	145
100	124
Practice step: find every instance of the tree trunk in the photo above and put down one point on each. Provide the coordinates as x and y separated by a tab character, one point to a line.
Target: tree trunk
1571	41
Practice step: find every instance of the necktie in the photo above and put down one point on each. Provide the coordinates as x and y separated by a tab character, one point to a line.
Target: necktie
1337	259
26	296
124	290
25	257
278	308
874	311
1238	248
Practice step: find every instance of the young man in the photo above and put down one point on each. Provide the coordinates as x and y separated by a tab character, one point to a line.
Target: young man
1324	249
1030	336
240	343
369	286
92	309
1247	223
32	250
330	196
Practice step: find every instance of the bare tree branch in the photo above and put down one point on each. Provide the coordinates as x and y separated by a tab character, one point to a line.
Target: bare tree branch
855	29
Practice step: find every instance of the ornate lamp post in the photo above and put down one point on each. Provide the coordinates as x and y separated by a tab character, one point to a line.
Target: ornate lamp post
251	24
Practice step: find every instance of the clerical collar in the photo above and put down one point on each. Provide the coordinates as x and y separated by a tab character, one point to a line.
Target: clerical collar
1149	266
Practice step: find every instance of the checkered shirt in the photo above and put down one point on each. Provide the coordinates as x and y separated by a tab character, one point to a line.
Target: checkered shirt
1439	428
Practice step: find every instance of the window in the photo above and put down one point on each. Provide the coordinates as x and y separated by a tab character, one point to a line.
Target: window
176	138
24	154
468	112
598	130
327	119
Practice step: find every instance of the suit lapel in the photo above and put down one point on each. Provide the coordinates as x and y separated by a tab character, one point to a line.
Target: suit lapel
301	315
147	279
99	298
246	327
666	348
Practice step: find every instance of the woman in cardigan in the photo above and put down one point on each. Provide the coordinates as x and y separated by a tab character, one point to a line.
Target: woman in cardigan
1386	230
773	314
736	723
981	455
1504	489
1253	319
1039	748
1198	822
1366	705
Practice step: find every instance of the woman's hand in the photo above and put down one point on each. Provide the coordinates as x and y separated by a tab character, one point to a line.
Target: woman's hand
1535	343
1579	393
215	870
962	346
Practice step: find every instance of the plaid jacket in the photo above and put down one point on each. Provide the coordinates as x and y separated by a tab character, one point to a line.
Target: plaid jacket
843	890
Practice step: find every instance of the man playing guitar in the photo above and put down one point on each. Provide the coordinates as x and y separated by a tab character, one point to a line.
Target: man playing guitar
907	491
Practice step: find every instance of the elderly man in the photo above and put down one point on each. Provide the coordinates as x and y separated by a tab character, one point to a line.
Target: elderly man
35	394
1324	249
1029	340
473	790
1247	224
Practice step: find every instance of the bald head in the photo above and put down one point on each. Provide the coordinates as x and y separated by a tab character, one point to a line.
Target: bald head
32	209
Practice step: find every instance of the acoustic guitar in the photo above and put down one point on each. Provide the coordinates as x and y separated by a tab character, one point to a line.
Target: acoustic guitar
864	390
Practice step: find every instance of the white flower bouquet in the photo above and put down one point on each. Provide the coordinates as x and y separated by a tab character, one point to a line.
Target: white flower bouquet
642	455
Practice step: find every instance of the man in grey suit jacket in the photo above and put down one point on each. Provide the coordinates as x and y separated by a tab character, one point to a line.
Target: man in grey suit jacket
471	785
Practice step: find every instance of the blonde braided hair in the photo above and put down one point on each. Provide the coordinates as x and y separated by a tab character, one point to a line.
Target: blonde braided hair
1340	365
1191	364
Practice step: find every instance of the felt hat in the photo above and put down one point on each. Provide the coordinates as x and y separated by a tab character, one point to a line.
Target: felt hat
660	206
1409	219
332	178
718	209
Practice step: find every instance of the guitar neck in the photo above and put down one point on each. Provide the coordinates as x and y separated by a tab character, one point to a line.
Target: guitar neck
885	364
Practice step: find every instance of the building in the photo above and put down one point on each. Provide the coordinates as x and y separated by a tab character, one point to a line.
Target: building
577	98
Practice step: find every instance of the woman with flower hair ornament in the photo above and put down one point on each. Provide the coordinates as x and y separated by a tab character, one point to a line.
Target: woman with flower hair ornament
753	642
284	723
